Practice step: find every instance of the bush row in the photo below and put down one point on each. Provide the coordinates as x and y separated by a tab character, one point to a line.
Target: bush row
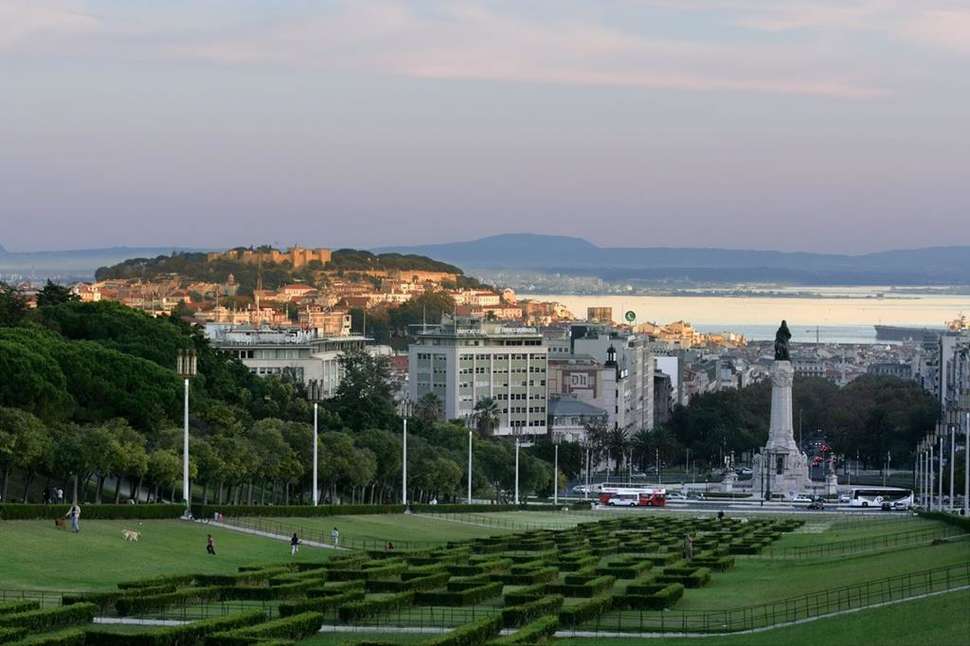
366	574
10	607
16	511
48	619
528	578
470	634
247	577
525	594
688	577
590	588
319	604
332	588
429	582
69	637
522	614
651	596
356	610
11	634
584	611
458	597
294	627
134	605
182	635
154	582
538	632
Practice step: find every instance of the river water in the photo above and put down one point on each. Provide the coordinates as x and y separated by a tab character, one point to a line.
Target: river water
846	317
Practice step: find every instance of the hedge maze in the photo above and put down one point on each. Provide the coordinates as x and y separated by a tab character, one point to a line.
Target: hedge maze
507	589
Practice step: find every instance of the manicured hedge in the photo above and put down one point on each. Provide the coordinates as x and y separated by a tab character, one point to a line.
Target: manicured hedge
654	596
16	511
689	577
11	634
525	594
458	597
528	578
470	634
331	588
183	635
249	577
590	588
951	519
48	619
430	582
252	593
127	606
538	632
365	573
10	607
319	604
169	579
630	570
485	567
584	611
294	627
69	637
356	610
522	614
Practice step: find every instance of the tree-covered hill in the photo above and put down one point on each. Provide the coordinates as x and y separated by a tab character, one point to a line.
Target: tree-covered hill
197	267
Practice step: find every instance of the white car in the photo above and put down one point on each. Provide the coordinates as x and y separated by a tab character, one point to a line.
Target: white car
801	498
623	501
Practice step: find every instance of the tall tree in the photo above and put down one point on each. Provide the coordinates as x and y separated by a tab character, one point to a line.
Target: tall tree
54	294
486	416
13	305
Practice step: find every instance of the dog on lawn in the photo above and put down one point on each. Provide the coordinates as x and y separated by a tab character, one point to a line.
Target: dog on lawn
130	535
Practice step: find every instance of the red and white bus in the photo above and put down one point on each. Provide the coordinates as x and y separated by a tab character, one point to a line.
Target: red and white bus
631	494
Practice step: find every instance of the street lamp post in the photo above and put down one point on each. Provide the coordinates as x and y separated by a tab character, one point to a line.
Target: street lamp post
555	471
187	367
953	437
315	392
405	411
966	465
516	432
468	425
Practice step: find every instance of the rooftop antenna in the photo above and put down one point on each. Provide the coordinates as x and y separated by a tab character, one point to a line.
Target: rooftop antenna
364	331
817	328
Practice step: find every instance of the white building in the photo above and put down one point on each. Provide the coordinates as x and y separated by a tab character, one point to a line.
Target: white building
466	359
305	356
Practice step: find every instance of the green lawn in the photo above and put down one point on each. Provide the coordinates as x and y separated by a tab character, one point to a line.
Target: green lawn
936	621
35	555
399	528
943	620
756	581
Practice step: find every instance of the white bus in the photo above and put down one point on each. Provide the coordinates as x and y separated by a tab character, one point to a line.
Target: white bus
878	496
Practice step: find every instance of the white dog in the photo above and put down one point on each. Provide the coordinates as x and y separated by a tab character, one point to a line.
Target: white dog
130	535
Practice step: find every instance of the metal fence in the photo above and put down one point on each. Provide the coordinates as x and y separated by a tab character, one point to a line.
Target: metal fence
806	606
46	598
907	538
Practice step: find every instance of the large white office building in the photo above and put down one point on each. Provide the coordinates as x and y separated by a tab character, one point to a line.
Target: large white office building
465	359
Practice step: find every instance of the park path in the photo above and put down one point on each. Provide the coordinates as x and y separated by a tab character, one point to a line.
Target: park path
270	535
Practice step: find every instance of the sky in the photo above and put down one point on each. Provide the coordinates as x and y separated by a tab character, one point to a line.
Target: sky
838	126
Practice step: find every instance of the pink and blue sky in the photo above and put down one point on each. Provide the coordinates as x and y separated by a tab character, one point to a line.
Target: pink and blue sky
839	125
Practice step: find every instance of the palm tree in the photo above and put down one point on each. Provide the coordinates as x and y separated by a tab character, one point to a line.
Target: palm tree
617	444
486	415
428	408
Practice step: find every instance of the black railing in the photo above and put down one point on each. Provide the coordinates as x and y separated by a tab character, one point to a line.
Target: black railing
908	538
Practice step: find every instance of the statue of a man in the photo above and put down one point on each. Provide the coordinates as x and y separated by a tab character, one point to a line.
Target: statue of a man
782	336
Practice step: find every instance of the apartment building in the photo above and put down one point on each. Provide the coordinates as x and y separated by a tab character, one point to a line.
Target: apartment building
465	359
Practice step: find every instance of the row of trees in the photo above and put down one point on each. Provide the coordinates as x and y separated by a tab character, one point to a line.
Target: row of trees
88	391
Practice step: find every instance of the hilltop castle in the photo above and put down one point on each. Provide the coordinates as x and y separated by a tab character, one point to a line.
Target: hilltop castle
297	256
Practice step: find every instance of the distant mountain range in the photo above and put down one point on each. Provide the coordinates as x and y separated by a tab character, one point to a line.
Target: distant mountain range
568	255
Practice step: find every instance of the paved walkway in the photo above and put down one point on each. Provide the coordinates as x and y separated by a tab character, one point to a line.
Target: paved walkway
264	534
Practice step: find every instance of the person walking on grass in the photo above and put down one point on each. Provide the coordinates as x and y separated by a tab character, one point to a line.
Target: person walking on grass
75	515
688	548
294	544
335	537
210	545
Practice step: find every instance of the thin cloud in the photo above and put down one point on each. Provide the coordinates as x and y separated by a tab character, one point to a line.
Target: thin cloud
467	42
22	21
945	29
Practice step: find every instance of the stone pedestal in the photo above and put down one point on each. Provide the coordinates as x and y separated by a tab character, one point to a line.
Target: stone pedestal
730	479
831	485
780	467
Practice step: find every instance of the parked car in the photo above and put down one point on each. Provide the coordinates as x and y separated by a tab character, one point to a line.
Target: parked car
624	501
802	498
817	504
886	506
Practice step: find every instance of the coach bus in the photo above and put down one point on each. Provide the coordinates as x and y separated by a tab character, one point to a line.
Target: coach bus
631	494
877	496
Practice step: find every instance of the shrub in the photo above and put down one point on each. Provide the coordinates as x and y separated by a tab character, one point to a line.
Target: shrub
11	634
470	634
127	606
48	619
356	610
293	627
429	582
69	637
352	574
574	615
651	596
538	632
485	567
319	604
10	607
629	570
91	512
689	577
522	614
249	577
589	588
458	597
285	591
525	594
332	588
171	579
528	578
182	635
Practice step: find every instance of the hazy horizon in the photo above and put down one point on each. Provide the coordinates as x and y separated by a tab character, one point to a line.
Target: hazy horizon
833	126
